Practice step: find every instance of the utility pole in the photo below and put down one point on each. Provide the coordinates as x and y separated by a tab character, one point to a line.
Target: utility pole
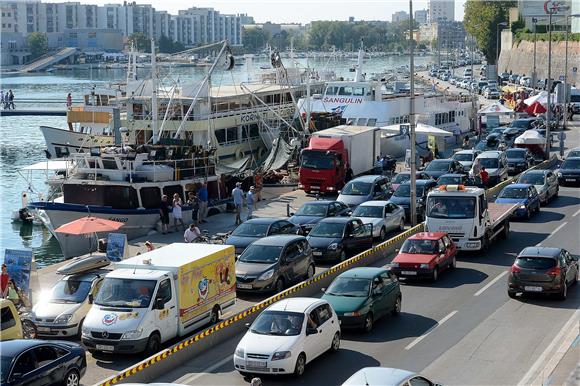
534	76
549	85
413	204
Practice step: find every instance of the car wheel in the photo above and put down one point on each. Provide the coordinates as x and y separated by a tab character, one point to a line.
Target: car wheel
279	286
72	378
310	272
528	214
506	230
300	365
512	294
453	263
564	293
335	345
383	234
435	274
80	331
153	344
215	316
368	323
29	330
398	305
342	255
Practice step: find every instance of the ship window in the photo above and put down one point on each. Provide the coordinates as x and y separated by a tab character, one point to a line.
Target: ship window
231	134
254	131
61	151
110	164
452	116
150	197
358	91
345	91
116	197
331	90
361	122
220	135
169	191
372	122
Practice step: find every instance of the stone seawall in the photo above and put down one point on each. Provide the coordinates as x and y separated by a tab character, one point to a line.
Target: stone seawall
519	59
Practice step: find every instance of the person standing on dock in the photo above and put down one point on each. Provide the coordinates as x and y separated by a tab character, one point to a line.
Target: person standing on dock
193	201
69	101
4	279
177	212
2	98
203	196
238	196
164	211
251	202
11	100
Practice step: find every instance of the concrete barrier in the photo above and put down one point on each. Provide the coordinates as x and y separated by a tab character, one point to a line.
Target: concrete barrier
166	360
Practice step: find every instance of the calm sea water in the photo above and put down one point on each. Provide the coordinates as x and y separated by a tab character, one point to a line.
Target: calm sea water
22	144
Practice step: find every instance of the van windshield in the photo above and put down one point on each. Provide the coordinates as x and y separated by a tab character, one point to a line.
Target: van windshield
70	291
125	293
317	160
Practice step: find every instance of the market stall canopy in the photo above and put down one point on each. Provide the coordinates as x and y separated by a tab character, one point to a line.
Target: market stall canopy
421	128
541	98
530	137
535	109
496	108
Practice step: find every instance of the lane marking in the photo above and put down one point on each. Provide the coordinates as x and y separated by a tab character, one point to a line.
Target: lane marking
549	359
557	229
576	214
193	377
429	331
495	280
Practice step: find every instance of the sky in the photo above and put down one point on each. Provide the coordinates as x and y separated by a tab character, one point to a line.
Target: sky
295	11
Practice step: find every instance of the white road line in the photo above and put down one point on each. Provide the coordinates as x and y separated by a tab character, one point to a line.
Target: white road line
576	214
495	280
429	331
549	359
185	380
557	229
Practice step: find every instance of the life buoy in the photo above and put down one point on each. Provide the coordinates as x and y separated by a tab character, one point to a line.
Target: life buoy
239	154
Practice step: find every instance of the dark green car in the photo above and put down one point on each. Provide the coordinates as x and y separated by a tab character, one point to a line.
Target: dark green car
360	296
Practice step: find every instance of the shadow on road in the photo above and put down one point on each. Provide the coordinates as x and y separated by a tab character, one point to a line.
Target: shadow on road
450	279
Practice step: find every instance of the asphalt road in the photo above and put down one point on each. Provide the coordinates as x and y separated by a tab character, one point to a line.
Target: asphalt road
462	330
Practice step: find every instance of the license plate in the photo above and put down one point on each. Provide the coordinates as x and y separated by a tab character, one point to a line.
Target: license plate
43	329
104	347
570	179
315	253
315	187
256	364
533	289
244	286
409	272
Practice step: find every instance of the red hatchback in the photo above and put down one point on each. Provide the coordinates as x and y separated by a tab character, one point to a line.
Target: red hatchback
425	255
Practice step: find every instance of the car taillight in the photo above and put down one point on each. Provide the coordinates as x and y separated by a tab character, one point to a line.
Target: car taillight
515	269
555	271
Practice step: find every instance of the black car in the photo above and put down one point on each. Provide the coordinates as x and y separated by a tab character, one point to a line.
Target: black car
569	172
438	167
336	238
312	212
257	228
406	176
519	160
525	123
40	362
491	142
543	270
402	196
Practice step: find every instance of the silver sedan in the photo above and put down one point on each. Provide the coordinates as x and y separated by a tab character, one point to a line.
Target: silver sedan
385	217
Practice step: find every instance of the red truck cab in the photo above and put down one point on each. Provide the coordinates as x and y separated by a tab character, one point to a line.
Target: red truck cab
323	165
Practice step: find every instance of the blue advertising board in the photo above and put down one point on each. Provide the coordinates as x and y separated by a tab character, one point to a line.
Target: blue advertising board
117	248
19	264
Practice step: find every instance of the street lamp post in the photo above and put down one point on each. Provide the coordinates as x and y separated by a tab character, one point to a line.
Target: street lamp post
568	26
413	203
534	76
549	85
502	24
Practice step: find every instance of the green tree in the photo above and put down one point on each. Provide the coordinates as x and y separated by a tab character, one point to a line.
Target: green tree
481	20
38	44
168	46
255	39
140	42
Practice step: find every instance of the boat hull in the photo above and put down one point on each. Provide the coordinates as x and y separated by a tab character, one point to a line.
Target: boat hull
59	142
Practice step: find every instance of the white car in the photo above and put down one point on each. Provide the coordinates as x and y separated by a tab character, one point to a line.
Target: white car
466	157
385	217
288	335
386	376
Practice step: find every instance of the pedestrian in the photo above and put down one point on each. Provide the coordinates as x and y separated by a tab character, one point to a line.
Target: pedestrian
259	184
69	101
4	279
149	245
177	211
238	196
193	201
466	142
251	202
2	97
191	234
203	196
13	294
164	212
349	173
378	165
11	100
484	177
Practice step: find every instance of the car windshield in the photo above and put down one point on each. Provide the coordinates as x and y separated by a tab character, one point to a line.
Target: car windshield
515	153
535	262
419	247
405	191
317	160
448	180
70	291
261	254
490	163
438	166
571	164
279	323
532	178
327	229
357	188
463	157
520	124
510	192
574	153
349	287
450	207
251	230
401	177
125	293
368	211
484	145
312	210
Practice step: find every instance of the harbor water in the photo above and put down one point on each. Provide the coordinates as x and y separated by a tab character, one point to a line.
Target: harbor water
22	144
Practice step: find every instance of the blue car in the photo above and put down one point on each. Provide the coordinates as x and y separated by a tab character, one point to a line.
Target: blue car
402	196
256	228
524	194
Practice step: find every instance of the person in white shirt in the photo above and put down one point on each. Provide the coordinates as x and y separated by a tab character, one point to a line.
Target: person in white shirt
238	196
191	234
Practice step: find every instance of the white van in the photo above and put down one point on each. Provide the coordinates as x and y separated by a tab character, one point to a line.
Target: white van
496	164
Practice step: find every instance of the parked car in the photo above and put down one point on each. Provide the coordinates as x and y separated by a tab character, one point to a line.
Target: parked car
481	85
514	78
256	228
286	336
545	182
273	262
438	167
524	194
386	376
491	93
569	172
384	216
338	237
402	196
40	362
496	164
525	123
11	325
573	153
525	81
363	295
504	76
364	188
406	176
543	270
425	255
519	160
312	212
466	157
455	179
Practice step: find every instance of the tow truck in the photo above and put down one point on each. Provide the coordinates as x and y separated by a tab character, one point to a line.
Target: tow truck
467	216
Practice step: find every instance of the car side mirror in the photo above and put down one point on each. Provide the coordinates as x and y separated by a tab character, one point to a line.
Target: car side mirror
339	191
159	304
397	250
311	331
248	325
91	299
323	290
291	214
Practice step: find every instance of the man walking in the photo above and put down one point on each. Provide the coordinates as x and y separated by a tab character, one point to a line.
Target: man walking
238	196
11	100
69	101
250	202
193	201
203	197
164	212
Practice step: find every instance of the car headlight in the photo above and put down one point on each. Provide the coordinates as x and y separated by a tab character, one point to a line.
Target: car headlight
63	319
281	355
395	265
424	266
133	334
266	275
333	246
522	207
86	333
356	313
239	352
